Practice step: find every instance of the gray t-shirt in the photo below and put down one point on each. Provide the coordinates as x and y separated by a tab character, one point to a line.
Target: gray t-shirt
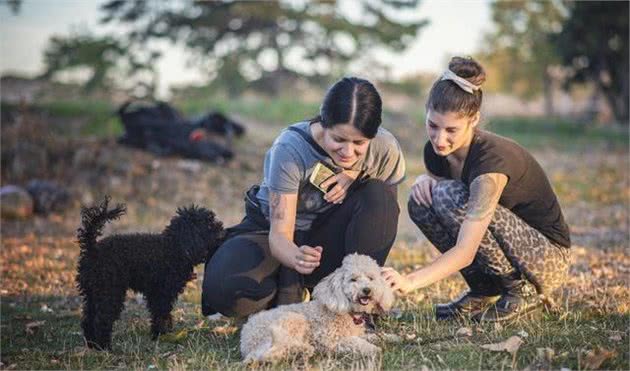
291	160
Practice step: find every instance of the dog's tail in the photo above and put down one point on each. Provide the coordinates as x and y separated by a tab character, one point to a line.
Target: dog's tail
93	219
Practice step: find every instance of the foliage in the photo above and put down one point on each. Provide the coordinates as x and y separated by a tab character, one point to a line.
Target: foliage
104	57
519	53
594	43
242	41
98	55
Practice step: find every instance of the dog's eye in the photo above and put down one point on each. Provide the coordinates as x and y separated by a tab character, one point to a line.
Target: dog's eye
353	279
371	278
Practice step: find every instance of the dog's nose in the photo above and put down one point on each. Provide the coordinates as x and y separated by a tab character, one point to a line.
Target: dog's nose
366	291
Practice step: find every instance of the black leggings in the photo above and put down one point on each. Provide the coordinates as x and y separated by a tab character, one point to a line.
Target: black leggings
243	278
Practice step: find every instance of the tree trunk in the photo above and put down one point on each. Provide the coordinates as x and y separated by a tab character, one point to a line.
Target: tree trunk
548	94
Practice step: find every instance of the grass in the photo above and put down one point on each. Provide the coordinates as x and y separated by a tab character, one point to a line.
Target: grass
40	310
57	343
562	134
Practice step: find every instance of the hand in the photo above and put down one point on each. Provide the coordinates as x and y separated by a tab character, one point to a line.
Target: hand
307	259
399	283
421	190
344	179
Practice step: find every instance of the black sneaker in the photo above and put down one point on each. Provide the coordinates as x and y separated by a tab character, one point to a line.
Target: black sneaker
467	305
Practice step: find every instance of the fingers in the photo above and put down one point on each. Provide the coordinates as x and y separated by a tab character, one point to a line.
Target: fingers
303	270
305	267
308	259
393	279
421	191
426	194
311	253
336	195
416	195
326	183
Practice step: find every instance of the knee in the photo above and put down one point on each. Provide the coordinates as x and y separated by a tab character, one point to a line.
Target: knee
417	212
375	192
239	279
448	196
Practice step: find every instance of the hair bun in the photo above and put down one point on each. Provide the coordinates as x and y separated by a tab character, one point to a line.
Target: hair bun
469	69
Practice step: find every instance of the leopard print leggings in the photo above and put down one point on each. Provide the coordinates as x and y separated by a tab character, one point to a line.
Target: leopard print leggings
510	246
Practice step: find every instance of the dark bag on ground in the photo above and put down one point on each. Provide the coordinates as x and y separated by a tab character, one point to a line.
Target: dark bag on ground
162	130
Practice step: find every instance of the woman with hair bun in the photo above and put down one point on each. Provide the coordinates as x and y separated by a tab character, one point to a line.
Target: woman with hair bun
487	205
328	190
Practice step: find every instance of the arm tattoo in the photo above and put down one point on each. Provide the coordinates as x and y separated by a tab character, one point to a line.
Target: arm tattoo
484	194
274	205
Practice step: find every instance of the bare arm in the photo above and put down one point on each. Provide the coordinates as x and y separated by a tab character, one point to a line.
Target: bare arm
485	192
282	213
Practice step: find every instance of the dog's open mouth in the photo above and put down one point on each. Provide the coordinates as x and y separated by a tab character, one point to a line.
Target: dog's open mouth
364	300
358	318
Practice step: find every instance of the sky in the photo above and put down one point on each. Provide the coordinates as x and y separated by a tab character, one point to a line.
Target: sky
456	28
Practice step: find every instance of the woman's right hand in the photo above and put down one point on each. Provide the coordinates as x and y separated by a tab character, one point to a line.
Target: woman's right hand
421	190
307	259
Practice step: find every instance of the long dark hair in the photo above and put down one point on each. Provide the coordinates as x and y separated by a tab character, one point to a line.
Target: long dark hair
355	101
447	96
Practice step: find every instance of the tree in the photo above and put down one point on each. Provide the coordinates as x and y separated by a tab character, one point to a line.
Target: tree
594	44
256	40
103	57
520	51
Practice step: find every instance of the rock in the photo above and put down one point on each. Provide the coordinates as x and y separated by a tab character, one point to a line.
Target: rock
16	202
48	196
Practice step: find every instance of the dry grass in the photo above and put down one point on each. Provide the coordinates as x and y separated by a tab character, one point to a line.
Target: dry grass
40	309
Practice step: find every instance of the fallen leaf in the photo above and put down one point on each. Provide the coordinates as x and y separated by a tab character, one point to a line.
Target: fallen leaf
464	331
32	326
615	337
225	330
511	345
391	338
595	358
201	324
215	317
174	337
410	336
545	353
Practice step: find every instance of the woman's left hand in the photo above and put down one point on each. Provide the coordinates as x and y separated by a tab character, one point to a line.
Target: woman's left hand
399	283
339	192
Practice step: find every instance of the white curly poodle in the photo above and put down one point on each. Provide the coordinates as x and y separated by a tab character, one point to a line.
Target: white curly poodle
331	322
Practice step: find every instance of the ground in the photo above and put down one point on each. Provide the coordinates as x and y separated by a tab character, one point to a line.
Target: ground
587	166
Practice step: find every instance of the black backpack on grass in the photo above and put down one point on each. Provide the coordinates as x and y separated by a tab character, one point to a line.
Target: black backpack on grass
162	130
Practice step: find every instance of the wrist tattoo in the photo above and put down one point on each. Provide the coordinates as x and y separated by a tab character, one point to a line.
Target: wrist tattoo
484	193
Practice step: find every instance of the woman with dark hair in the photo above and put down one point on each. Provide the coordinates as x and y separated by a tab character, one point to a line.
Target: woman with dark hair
328	190
487	205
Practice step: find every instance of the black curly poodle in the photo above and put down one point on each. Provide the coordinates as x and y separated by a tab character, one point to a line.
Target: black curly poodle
157	265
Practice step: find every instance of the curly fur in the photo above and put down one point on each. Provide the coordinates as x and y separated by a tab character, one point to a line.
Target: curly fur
156	265
331	322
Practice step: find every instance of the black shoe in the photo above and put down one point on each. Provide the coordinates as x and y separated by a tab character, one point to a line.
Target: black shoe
515	302
484	291
467	305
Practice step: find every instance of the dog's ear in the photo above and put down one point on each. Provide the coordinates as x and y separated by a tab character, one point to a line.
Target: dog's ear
330	292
